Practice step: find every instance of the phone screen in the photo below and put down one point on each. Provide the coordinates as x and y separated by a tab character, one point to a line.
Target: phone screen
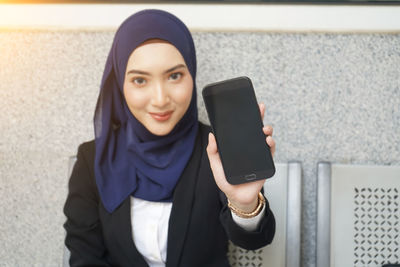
236	122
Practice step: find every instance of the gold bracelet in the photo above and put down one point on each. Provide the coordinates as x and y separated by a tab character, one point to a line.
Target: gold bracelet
247	215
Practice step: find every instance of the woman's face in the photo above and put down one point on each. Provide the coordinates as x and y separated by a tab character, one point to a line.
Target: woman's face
158	86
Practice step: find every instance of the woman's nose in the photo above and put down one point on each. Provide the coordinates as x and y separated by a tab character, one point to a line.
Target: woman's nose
160	96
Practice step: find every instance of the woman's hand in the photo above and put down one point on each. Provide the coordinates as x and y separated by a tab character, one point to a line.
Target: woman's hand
242	196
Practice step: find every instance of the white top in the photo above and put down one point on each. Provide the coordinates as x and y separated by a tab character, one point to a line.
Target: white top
150	228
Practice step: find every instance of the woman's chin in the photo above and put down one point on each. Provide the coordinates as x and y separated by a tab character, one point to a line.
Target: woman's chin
160	130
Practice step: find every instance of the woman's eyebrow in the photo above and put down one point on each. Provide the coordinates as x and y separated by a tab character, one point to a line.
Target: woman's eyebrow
174	68
132	71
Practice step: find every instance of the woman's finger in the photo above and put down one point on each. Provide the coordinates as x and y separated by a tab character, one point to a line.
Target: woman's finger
268	130
261	106
216	165
271	144
212	145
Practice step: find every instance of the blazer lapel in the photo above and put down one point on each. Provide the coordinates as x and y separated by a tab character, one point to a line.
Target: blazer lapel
182	206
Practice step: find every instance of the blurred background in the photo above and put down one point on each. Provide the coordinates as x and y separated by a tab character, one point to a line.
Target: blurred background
328	72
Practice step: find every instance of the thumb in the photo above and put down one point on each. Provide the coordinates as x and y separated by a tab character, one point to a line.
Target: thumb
215	162
213	155
212	145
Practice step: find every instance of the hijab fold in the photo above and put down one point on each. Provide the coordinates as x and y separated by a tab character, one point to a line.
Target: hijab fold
129	159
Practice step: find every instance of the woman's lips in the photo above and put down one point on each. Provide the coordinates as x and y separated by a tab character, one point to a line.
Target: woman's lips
161	116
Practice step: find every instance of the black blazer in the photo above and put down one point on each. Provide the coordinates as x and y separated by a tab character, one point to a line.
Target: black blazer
199	227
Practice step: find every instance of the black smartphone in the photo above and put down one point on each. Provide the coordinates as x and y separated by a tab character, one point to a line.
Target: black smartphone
237	125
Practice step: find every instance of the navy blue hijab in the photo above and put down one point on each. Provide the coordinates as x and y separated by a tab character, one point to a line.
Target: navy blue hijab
130	160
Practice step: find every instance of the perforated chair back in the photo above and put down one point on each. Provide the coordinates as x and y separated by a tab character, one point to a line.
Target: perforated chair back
283	192
358	215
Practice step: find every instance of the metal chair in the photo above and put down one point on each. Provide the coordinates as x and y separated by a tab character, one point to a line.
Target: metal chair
283	192
67	254
358	220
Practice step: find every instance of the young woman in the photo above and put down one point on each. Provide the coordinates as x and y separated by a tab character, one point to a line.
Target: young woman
150	189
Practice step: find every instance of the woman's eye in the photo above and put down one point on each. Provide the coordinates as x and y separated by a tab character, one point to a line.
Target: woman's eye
139	81
175	76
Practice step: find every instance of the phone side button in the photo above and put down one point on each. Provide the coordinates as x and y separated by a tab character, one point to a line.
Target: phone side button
250	177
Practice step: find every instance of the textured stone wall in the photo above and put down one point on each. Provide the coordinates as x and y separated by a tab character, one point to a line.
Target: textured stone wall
333	97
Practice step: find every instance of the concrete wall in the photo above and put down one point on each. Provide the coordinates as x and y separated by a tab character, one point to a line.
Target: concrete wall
332	97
